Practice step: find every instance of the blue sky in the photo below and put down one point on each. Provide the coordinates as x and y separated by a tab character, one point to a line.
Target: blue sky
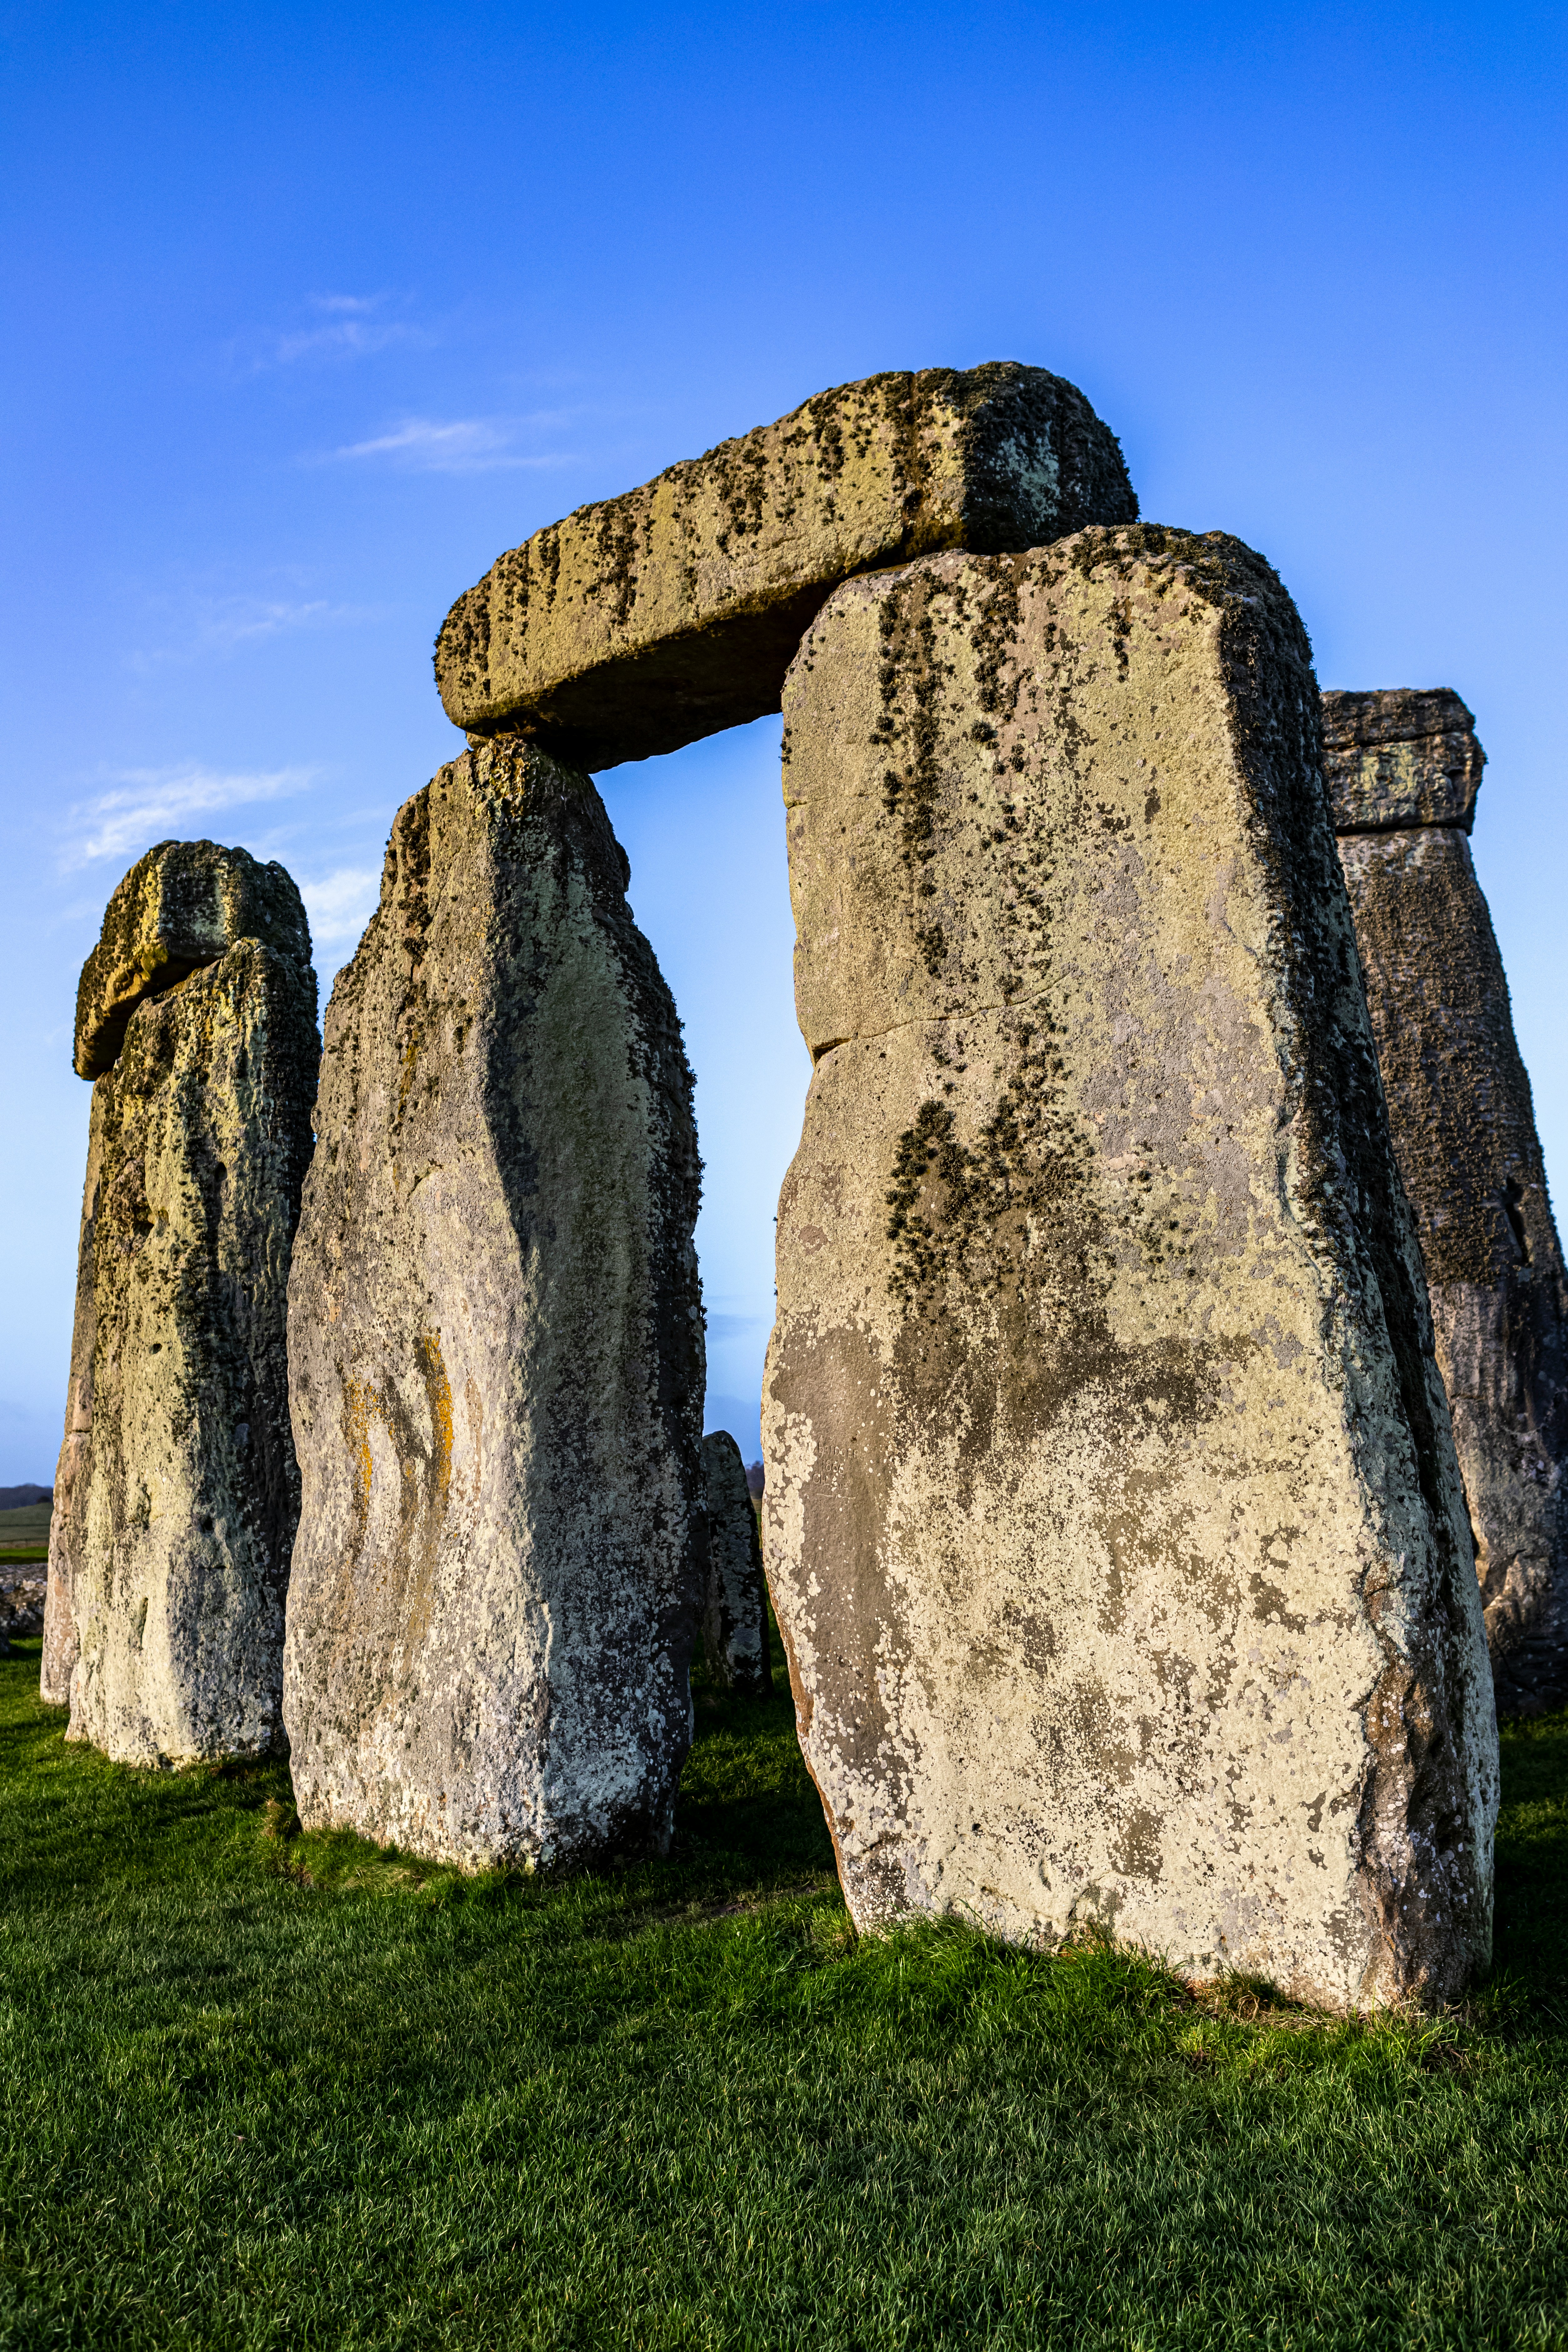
313	310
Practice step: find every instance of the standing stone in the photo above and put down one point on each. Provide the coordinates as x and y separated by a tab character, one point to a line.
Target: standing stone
176	1496
73	1484
1113	1519
1403	770
645	621
735	1613
495	1348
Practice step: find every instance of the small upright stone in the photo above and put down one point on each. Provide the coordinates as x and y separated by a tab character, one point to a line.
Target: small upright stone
649	620
495	1348
1402	770
1113	1524
735	1613
176	1495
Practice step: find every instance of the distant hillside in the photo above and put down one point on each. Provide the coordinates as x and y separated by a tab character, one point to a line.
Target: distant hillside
28	1525
13	1497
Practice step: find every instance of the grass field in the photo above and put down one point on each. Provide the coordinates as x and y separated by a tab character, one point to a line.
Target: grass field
269	2090
25	1535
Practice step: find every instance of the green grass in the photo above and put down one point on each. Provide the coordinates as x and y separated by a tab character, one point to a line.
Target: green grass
28	1524
263	2089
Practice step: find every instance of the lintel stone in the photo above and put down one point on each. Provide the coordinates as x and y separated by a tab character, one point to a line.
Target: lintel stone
646	621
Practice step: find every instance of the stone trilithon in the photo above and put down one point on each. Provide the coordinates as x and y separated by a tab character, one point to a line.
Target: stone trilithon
1404	768
176	1496
496	1350
1114	1522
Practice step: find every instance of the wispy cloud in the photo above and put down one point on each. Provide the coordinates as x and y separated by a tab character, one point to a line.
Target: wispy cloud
336	327
141	805
201	626
464	445
341	903
721	1328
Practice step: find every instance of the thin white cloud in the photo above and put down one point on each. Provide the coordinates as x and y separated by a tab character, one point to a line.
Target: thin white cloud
142	804
464	445
206	626
341	903
344	339
203	627
721	1328
344	327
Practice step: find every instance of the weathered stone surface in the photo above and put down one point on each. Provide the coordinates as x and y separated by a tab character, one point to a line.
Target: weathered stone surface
1112	1520
1402	756
73	1485
495	1348
177	1495
22	1593
1464	1132
643	621
178	908
734	1610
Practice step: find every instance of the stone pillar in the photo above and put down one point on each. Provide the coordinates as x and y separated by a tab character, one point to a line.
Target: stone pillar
735	1612
1114	1524
495	1348
73	1484
1402	770
176	1495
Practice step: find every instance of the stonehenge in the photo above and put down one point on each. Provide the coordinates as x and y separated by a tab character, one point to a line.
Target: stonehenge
176	1496
646	621
1403	770
1114	1524
495	1348
735	1604
1114	1517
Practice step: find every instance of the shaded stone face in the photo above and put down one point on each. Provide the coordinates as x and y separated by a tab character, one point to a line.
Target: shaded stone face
643	623
495	1348
1400	756
1464	1132
177	1495
734	1610
1113	1519
178	908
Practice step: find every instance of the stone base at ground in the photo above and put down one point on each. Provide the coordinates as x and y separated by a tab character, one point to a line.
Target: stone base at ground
495	1348
1113	1523
734	1610
176	1495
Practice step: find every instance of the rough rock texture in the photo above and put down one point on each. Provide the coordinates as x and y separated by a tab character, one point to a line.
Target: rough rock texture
178	908
1464	1132
22	1593
495	1348
1114	1524
67	1522
177	1495
1404	756
645	622
735	1610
